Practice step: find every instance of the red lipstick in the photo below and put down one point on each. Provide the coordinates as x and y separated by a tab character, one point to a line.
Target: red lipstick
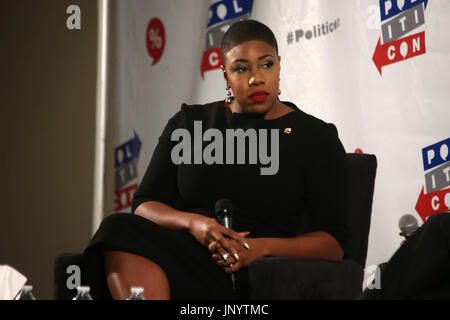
258	96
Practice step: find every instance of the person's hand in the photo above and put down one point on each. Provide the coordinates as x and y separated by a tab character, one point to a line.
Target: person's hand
207	230
231	263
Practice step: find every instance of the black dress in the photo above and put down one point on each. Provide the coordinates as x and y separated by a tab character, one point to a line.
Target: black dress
304	192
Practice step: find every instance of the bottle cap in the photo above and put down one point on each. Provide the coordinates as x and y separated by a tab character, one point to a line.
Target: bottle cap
83	289
27	288
137	290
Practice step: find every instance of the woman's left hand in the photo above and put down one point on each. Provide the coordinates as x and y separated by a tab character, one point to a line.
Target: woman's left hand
244	257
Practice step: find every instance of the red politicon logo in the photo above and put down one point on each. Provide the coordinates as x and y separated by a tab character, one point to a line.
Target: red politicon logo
399	50
155	39
211	60
432	203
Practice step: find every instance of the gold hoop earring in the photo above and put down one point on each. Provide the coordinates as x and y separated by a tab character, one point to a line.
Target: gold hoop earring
228	100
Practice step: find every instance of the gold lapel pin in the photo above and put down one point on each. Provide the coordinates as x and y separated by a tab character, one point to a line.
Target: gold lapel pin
287	130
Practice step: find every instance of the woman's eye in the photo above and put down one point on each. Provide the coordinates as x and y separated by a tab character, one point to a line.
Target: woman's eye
240	69
267	65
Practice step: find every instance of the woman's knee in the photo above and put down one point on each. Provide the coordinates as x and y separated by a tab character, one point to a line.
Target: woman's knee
125	270
116	219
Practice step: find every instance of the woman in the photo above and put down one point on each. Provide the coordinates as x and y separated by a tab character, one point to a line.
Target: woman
173	246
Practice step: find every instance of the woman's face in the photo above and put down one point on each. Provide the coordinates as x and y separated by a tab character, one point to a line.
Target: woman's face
252	70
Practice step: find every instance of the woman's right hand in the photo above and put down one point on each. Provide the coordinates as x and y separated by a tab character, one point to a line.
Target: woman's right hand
207	230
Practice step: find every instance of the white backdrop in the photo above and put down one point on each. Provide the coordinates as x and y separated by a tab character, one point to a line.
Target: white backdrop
330	68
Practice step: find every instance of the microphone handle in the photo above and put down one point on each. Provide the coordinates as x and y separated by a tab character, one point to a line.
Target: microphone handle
233	280
226	222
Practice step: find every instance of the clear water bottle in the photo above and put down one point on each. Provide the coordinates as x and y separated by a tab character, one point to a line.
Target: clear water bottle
83	293
26	293
137	293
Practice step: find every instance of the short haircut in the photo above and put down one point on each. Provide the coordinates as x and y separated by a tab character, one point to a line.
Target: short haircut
246	30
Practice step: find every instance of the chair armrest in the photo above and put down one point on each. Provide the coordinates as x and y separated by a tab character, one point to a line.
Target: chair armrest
295	278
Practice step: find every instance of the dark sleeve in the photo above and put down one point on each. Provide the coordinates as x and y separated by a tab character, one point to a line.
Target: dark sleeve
160	179
326	185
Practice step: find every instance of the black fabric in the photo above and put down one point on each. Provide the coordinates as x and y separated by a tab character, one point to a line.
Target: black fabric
191	272
311	180
420	268
293	279
308	193
361	182
290	278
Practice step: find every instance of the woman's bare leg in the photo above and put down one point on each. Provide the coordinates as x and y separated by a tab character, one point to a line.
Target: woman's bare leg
125	270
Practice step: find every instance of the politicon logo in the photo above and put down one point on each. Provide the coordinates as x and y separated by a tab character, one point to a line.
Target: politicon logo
398	19
222	15
315	31
435	194
126	157
155	39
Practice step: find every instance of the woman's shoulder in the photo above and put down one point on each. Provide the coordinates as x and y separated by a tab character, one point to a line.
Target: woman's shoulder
189	112
311	123
192	112
319	136
207	108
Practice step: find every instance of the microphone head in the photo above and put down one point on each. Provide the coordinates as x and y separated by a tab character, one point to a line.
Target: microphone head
407	224
224	207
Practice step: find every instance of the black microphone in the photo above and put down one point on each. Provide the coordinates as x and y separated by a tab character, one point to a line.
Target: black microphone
408	225
224	215
224	212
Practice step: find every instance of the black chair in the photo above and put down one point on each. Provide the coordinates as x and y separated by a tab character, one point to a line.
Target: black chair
293	278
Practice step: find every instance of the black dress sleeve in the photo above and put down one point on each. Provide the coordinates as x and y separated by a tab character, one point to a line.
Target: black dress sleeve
326	185
159	182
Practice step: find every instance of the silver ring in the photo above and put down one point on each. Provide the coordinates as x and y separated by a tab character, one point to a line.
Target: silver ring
225	256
